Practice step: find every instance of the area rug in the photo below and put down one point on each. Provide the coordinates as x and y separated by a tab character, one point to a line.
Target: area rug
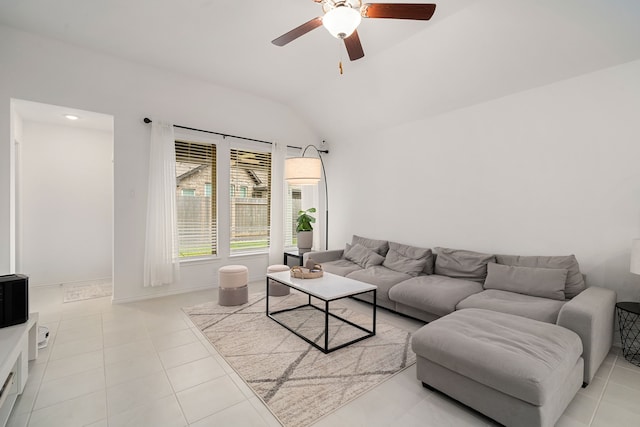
299	383
84	291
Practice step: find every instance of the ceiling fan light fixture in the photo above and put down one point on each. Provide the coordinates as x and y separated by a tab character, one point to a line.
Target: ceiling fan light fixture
341	21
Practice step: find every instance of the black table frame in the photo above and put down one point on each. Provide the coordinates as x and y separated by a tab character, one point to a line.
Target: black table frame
294	254
325	310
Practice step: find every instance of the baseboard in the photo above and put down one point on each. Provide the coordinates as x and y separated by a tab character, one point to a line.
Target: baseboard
161	294
77	282
260	278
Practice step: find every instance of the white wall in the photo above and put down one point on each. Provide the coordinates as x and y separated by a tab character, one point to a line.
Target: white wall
66	179
47	71
548	171
13	202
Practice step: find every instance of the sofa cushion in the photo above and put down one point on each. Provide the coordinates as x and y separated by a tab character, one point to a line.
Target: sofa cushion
380	276
461	264
341	267
537	282
430	266
362	256
543	309
379	246
434	294
407	259
575	282
519	357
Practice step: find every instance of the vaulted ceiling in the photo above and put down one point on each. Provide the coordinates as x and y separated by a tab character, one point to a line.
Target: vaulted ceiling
471	51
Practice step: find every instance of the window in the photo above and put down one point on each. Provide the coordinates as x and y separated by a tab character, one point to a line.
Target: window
251	207
196	198
293	204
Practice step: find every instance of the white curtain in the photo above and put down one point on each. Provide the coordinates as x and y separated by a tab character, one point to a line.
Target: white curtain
276	234
161	264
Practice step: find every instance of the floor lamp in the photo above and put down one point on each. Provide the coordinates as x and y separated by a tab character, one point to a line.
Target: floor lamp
308	171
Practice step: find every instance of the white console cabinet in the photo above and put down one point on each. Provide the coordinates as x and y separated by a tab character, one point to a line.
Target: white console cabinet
18	345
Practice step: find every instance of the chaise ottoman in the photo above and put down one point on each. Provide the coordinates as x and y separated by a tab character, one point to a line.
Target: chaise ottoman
518	371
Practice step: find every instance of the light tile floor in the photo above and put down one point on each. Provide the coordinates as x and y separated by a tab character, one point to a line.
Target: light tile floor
145	364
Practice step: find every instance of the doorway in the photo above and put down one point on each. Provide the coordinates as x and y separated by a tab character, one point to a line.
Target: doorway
63	195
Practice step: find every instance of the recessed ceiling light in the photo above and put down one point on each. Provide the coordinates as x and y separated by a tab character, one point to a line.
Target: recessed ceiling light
71	117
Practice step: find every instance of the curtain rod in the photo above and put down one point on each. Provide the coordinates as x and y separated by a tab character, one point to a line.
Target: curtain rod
148	120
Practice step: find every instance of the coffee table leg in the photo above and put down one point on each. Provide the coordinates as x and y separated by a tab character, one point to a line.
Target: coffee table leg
374	311
267	296
326	326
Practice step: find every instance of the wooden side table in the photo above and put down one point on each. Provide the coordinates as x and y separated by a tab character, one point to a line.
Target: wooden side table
629	324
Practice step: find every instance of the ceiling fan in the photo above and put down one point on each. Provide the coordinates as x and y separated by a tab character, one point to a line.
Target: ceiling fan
342	17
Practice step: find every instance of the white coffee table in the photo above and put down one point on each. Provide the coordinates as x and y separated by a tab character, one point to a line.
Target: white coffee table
327	288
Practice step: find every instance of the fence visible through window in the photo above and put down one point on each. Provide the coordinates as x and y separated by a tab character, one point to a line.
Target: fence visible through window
251	205
196	233
196	199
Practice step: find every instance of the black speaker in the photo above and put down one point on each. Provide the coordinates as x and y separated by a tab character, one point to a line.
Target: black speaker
14	299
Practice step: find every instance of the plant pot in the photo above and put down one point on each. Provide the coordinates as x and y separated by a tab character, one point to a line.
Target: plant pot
305	239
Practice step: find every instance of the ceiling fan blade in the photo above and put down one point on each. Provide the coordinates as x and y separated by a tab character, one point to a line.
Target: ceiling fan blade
420	11
354	47
297	32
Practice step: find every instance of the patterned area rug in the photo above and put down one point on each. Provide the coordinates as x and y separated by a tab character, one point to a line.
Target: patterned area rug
299	383
79	292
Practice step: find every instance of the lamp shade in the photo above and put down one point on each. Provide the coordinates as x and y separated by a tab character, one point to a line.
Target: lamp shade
635	256
342	21
303	170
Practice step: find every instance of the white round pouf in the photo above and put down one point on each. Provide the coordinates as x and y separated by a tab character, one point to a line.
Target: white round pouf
277	289
232	285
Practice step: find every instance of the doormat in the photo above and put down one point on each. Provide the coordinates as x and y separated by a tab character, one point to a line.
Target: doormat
80	292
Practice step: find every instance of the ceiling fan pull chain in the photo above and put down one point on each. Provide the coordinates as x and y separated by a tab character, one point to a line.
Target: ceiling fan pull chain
339	44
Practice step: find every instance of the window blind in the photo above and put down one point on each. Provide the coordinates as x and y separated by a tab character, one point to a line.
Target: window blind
293	204
196	199
251	200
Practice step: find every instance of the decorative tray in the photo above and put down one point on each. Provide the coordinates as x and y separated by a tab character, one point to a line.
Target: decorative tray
307	273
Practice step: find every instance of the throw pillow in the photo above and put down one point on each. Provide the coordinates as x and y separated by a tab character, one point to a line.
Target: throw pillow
363	256
379	246
346	249
575	281
407	259
461	264
536	282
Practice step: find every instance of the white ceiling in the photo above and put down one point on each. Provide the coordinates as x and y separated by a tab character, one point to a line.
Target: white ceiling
471	51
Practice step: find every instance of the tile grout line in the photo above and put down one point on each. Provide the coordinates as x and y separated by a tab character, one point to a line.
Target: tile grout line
104	371
46	365
606	384
206	343
164	369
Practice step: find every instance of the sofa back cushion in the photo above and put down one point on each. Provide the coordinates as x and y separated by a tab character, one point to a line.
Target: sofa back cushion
362	256
430	266
574	283
533	281
407	259
379	246
462	264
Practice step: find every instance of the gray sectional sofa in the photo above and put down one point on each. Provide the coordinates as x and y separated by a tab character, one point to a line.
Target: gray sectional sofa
428	284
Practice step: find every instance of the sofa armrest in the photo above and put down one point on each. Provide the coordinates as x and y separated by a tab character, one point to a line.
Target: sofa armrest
591	315
323	256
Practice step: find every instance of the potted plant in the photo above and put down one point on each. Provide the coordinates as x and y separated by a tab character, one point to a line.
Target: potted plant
305	229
